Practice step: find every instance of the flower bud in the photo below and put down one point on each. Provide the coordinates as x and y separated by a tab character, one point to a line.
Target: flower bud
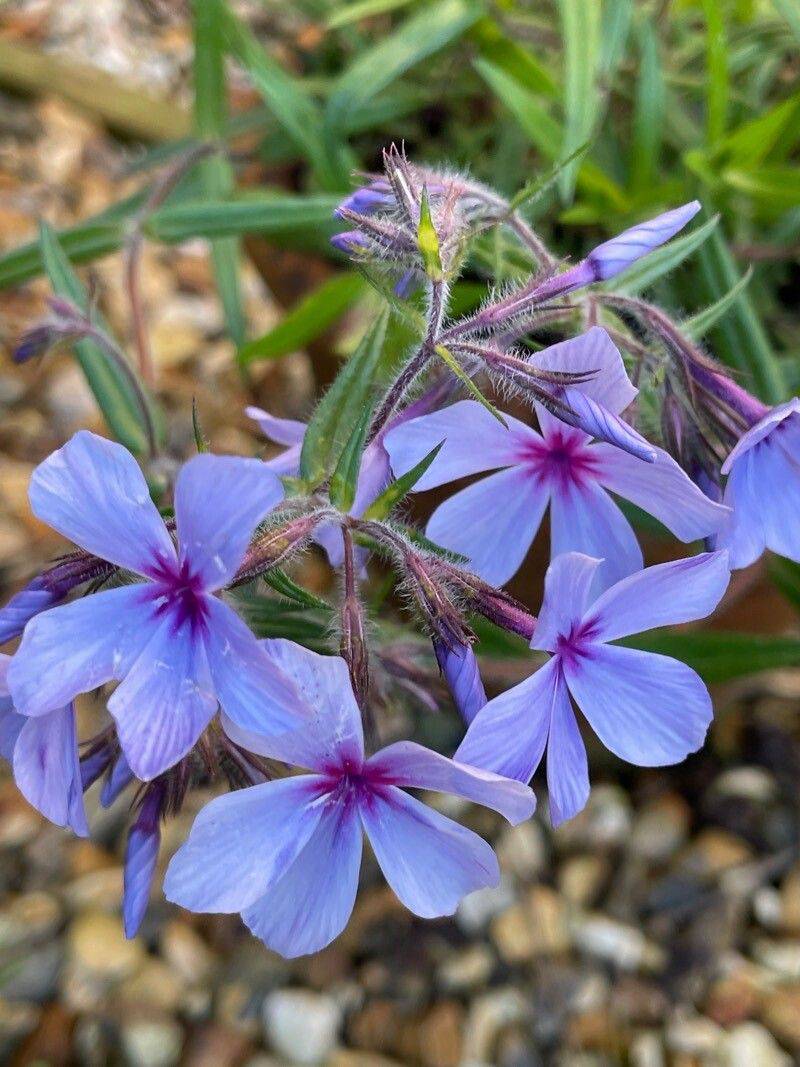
614	256
141	855
460	669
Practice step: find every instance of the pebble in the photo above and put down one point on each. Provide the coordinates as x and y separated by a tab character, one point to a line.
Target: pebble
580	879
693	1035
780	1013
623	946
477	909
186	952
301	1025
468	969
781	957
98	945
522	850
605	822
27	919
33	975
714	851
155	985
17	1020
746	783
152	1042
751	1045
488	1015
660	828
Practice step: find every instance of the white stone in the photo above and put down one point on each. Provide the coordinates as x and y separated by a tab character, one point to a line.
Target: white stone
301	1025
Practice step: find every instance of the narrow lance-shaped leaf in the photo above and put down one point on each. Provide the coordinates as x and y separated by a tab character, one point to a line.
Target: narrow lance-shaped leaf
373	70
114	394
308	319
338	411
280	581
719	656
698	325
210	117
447	357
580	23
345	474
394	493
428	240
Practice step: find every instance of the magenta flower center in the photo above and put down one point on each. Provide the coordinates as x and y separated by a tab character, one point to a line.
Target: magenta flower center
562	459
180	593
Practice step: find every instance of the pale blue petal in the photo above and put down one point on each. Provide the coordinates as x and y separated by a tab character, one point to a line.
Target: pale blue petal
648	709
165	701
763	429
567	589
662	489
281	431
328	735
244	840
256	694
567	765
664	595
459	665
219	501
594	350
474	441
93	493
493	522
77	647
509	735
305	909
618	253
585	519
406	763
47	769
430	861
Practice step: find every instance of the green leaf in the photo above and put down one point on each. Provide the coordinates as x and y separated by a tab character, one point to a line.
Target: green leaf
419	37
717	84
293	107
777	188
255	214
790	11
362	9
537	187
751	143
345	474
740	338
112	391
534	118
271	617
656	264
200	440
210	118
507	55
580	25
395	491
447	358
648	117
785	573
719	656
280	581
338	411
307	319
703	321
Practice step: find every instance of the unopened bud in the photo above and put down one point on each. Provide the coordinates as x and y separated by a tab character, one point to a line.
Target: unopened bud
276	544
141	855
460	670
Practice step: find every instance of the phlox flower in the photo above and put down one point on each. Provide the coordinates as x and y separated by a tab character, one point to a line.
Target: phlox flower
373	477
286	854
43	753
494	521
763	488
176	648
648	709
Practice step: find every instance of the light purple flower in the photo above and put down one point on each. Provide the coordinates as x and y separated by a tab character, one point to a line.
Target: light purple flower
494	521
43	753
373	477
648	709
141	856
286	854
763	489
176	648
21	608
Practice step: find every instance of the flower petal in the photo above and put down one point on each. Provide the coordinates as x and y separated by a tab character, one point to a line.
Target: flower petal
318	724
242	841
281	431
93	493
77	647
406	763
165	701
585	519
662	489
305	909
567	588
592	351
474	441
743	537
648	709
492	523
762	429
219	501
430	861
567	765
664	595
47	769
34	598
509	735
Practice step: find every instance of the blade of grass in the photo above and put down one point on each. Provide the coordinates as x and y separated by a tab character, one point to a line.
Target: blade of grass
308	319
698	325
717	78
580	27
